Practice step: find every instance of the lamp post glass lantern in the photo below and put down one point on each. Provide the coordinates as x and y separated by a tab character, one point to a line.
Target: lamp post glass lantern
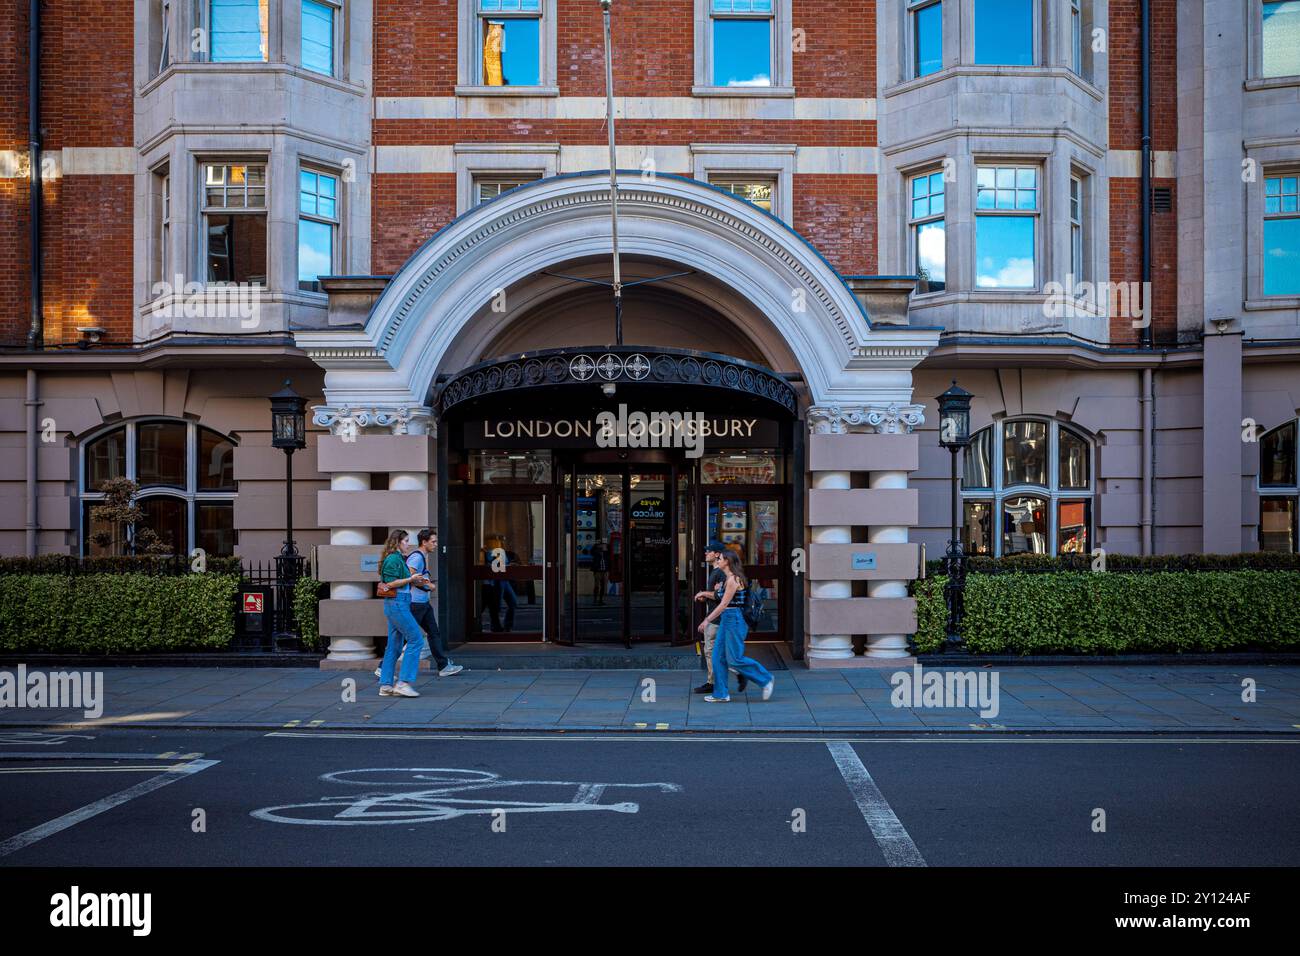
954	434
289	434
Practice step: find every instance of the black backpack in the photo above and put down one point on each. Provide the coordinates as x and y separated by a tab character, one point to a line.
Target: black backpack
754	611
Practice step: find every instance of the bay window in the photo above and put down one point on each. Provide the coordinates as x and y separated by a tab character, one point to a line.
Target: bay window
927	36
1004	32
1280	48
237	30
1027	488
1282	234
1006	216
1077	268
929	236
318	226
234	222
319	27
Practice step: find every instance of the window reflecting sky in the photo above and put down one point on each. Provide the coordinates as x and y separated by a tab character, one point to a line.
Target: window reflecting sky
1282	256
521	52
929	39
1004	252
318	37
1281	53
742	52
237	30
1004	32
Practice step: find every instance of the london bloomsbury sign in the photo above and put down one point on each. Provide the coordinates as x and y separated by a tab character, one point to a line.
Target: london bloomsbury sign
692	431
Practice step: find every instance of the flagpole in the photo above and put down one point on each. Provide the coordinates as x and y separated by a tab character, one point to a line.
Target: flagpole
613	176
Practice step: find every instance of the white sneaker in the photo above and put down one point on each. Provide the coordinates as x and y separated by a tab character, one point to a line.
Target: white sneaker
450	669
386	691
403	689
767	688
379	671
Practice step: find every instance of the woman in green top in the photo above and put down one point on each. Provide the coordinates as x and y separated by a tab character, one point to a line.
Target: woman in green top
401	622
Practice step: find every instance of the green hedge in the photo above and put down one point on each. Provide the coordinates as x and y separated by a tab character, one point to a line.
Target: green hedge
306	605
135	564
1247	561
1105	613
117	612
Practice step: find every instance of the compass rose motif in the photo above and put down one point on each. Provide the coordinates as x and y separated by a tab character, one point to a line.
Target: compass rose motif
609	366
637	367
582	367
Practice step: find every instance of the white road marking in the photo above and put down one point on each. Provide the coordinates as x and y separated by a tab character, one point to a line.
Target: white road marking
57	825
425	795
94	756
889	832
81	769
615	737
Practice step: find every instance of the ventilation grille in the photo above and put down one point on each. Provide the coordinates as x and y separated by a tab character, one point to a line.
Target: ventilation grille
1162	199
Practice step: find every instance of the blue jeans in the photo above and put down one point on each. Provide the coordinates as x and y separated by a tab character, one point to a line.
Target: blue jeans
729	652
401	622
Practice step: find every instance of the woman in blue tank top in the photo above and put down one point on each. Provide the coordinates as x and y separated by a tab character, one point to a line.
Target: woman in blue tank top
729	645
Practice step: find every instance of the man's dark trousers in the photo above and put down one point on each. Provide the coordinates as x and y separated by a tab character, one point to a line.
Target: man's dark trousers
423	613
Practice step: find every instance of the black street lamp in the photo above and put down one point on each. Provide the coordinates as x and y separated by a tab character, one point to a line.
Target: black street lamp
288	433
954	435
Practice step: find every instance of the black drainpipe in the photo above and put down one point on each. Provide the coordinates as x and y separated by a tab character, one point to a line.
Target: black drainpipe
36	334
1147	337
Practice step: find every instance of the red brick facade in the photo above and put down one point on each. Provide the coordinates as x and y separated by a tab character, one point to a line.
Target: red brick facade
88	103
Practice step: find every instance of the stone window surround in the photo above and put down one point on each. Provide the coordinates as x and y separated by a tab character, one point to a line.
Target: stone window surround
468	82
184	158
283	41
1053	493
1058	158
479	160
190	494
1255	78
782	55
768	161
1270	160
1053	44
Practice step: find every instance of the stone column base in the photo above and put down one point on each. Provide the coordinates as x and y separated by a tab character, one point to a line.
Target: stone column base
858	663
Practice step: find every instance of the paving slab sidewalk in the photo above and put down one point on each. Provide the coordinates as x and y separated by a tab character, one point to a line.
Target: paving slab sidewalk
1091	698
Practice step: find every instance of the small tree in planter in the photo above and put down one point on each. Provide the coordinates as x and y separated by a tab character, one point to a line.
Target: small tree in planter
120	512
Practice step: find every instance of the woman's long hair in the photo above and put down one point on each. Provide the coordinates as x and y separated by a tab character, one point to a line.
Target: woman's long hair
393	545
735	566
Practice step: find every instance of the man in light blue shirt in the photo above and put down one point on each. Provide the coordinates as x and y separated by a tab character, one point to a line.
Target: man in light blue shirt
421	605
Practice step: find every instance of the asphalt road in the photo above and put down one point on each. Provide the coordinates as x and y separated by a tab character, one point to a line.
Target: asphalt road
137	798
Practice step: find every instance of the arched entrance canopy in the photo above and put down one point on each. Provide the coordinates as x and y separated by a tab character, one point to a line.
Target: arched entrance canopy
529	376
451	287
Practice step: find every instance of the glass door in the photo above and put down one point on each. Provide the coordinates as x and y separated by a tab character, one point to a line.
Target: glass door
597	586
749	523
649	555
507	578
